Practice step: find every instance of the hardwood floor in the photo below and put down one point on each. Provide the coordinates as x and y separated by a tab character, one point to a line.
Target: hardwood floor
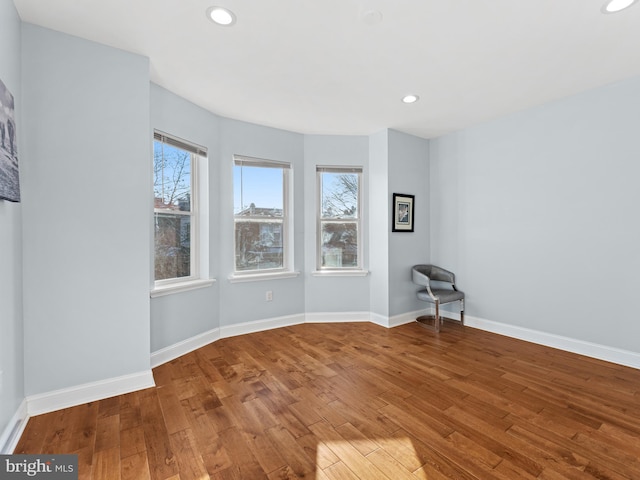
358	401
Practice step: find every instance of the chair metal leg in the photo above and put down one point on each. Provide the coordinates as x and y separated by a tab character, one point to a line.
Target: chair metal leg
462	311
425	320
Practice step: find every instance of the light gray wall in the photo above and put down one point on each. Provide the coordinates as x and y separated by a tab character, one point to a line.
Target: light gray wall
183	315
245	302
333	294
408	173
379	227
399	163
537	214
11	320
86	190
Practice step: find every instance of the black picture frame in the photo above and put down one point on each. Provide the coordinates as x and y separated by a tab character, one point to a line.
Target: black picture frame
402	213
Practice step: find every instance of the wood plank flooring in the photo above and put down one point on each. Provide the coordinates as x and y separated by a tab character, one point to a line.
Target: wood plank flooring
359	401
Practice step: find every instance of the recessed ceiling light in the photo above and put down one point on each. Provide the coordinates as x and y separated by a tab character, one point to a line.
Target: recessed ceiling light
221	16
613	6
410	98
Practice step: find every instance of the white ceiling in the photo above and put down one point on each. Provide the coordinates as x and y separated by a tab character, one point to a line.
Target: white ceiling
316	66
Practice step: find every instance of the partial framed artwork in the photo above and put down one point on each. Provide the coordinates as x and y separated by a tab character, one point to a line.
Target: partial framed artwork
403	210
9	178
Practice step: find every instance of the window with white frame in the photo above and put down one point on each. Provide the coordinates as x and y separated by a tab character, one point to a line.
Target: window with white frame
176	193
339	218
262	218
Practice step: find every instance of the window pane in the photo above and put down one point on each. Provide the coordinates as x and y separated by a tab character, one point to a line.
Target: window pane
171	177
258	191
172	246
258	245
339	195
339	244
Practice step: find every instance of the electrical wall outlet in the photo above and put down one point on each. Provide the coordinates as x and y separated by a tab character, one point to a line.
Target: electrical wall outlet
269	296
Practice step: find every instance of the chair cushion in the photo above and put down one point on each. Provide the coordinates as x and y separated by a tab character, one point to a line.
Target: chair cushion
445	296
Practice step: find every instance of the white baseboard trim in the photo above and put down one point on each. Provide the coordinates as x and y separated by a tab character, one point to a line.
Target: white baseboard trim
88	392
12	433
408	317
581	347
602	352
337	317
176	350
260	325
378	319
181	348
190	344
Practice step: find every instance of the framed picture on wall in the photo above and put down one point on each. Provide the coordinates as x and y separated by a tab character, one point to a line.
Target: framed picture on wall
402	220
9	180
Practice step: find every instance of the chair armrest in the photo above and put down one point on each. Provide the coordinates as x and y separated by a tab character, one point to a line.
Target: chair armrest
420	274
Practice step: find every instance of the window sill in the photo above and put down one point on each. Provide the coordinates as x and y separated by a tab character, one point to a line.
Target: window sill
181	287
256	277
340	273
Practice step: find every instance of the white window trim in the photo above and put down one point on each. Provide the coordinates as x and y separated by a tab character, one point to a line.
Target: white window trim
186	286
286	271
359	270
257	277
355	272
199	277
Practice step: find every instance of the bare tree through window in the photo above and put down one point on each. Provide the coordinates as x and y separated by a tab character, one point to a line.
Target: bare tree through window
339	218
172	188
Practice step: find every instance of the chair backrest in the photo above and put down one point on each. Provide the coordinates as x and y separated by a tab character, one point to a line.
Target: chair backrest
422	274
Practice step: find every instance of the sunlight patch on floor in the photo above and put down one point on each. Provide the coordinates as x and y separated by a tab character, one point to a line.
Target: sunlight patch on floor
392	457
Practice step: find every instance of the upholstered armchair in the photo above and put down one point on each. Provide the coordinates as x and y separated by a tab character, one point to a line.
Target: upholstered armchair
443	291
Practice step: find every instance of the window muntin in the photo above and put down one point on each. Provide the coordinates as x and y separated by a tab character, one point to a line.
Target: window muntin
176	226
261	215
339	218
